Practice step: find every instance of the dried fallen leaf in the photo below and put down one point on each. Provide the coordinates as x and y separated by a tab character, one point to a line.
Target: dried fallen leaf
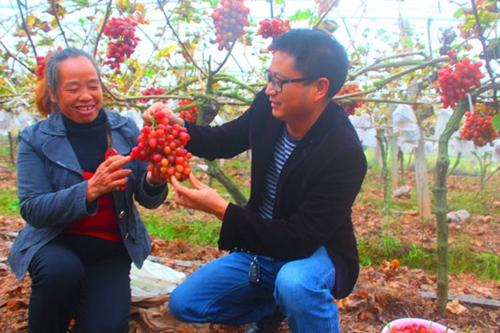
16	291
19	326
17	304
455	307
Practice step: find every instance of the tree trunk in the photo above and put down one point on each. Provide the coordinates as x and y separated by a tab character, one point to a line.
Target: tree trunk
11	149
384	172
440	189
423	198
217	173
206	114
394	163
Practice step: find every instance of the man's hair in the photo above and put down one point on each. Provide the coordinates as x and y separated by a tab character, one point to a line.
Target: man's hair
316	54
50	78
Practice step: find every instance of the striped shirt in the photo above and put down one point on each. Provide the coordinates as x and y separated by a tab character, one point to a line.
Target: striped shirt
282	150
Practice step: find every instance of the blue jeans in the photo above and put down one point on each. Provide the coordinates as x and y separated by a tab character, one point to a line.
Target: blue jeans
220	292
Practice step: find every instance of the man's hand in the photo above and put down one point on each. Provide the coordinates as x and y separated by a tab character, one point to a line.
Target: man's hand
150	111
202	197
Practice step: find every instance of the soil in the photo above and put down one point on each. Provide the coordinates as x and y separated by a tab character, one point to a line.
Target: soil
382	294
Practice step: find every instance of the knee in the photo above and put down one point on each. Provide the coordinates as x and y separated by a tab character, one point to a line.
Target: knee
289	290
177	305
57	276
295	292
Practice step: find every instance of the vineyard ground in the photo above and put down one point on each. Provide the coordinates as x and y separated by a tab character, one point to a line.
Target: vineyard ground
383	293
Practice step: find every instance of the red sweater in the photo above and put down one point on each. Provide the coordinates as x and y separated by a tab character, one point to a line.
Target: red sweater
103	224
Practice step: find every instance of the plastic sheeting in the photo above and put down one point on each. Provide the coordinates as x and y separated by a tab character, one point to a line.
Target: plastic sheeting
152	280
405	126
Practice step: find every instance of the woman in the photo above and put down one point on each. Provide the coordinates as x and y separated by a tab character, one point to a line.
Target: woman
77	189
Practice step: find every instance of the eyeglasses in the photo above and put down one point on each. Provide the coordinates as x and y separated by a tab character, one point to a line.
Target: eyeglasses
278	83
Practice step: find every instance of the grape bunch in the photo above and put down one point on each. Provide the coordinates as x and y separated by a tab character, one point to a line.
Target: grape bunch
41	61
191	113
350	106
271	28
123	41
162	145
478	129
456	78
152	91
229	20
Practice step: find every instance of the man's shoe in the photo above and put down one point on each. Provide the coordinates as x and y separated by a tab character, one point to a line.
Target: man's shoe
271	326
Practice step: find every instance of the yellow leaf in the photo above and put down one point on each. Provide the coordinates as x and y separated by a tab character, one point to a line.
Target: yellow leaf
455	307
123	5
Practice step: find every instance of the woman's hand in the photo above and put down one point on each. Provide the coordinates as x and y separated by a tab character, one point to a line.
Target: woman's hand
150	111
108	177
158	180
202	197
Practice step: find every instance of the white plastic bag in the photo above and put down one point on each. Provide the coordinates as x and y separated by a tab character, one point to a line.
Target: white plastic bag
404	123
153	280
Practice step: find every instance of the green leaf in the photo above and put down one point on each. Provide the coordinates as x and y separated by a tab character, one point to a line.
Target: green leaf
458	13
301	15
149	72
82	3
496	122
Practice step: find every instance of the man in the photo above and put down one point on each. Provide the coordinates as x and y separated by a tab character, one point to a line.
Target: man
292	246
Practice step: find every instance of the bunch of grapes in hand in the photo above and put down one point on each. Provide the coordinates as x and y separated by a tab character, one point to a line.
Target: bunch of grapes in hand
162	145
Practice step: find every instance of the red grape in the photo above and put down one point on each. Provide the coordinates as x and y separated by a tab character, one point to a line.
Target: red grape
152	91
162	145
478	129
41	61
190	113
350	106
456	78
122	42
229	20
271	28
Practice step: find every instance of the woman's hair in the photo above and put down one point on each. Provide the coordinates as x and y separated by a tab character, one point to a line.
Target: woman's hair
49	79
316	54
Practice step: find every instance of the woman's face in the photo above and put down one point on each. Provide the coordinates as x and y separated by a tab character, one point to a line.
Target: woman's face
79	94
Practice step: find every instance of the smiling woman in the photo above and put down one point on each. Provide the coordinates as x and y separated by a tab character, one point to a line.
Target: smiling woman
83	229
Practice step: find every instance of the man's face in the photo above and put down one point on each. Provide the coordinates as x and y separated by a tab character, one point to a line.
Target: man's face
293	104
